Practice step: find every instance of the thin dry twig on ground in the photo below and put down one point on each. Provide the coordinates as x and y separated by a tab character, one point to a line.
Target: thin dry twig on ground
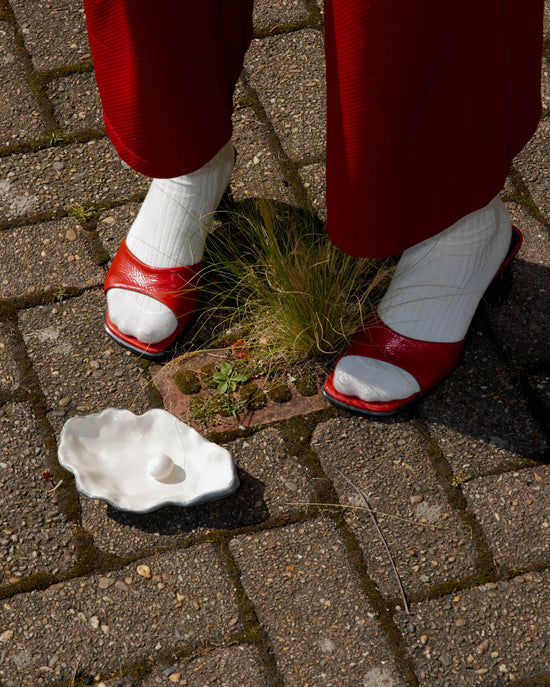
382	538
348	506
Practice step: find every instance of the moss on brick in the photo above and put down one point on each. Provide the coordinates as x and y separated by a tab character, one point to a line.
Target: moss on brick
187	381
201	410
207	375
280	393
254	396
305	384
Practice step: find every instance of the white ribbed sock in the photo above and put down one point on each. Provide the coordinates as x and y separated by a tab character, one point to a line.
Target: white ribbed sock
169	231
433	296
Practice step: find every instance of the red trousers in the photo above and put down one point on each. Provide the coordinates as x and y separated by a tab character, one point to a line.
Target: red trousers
428	101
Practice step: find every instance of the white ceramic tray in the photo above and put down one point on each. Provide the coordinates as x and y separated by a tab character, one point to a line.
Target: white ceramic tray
143	462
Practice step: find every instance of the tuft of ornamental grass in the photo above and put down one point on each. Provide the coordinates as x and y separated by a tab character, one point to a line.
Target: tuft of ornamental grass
274	273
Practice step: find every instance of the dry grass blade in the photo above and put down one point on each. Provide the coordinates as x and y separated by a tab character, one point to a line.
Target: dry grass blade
382	538
349	506
277	274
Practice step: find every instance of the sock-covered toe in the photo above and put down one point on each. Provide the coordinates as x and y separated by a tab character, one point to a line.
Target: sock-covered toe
373	380
140	316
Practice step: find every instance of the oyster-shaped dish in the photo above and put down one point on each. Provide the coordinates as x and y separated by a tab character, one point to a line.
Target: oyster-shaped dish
142	462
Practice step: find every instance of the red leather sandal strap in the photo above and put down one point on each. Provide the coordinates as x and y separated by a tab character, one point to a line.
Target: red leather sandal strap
428	362
174	287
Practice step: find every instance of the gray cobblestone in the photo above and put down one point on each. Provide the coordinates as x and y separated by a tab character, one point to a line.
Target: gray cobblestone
34	535
54	34
91	173
514	510
19	112
288	73
95	624
47	256
320	624
491	635
390	465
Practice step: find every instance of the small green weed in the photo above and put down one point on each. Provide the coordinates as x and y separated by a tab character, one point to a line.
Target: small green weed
55	137
201	410
60	294
227	378
228	405
82	212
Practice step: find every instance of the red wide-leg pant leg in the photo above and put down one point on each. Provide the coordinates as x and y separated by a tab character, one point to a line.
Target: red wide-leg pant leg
166	73
428	102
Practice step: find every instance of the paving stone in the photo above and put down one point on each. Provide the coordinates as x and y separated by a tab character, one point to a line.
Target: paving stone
256	173
34	536
288	73
10	373
76	102
542	385
389	463
534	165
309	600
64	177
54	33
491	635
313	178
19	111
113	225
522	320
514	510
46	256
545	85
99	623
499	433
75	359
236	665
272	484
270	12
239	94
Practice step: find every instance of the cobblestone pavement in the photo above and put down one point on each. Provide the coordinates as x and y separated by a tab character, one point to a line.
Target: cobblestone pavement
263	588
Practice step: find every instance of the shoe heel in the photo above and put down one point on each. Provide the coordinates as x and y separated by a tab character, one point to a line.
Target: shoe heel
501	286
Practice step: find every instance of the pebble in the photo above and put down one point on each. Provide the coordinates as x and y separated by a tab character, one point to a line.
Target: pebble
144	571
291	486
58	166
327	646
70	235
64	402
483	646
445	660
105	582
